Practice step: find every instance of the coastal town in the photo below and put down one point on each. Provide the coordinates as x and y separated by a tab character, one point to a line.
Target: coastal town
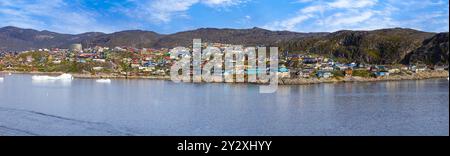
225	76
128	62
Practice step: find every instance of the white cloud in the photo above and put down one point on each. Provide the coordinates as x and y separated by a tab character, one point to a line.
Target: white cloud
313	15
288	24
72	17
414	4
245	21
55	15
222	3
349	18
437	18
291	23
336	15
313	8
352	3
305	1
163	11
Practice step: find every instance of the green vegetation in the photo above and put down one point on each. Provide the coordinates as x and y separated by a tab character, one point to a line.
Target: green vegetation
373	54
43	62
363	73
341	59
338	73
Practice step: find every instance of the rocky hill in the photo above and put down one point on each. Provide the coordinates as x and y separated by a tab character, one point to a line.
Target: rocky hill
130	38
433	51
385	46
250	37
17	39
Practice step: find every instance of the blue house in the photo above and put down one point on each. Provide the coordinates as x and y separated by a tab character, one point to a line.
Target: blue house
149	64
381	73
352	65
381	68
283	70
324	74
256	71
81	60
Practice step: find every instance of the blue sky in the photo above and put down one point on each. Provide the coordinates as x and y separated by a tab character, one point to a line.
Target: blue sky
169	16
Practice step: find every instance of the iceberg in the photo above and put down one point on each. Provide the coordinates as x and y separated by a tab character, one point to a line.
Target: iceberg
52	78
103	81
65	77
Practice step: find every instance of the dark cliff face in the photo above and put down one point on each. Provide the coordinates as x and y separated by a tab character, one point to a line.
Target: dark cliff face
433	51
387	46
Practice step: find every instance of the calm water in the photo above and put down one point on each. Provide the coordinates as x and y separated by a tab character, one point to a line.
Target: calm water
149	107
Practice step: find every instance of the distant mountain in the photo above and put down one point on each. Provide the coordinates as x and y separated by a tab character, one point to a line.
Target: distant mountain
17	39
23	39
249	37
385	46
130	38
140	39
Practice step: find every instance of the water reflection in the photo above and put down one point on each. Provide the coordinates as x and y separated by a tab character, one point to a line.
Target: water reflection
150	107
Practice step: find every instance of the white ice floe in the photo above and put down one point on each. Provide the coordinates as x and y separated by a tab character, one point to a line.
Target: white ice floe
103	81
53	78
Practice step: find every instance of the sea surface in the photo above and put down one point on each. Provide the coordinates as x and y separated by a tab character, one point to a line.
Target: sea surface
153	107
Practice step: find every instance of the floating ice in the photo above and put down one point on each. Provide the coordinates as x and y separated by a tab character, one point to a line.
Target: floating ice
52	78
103	81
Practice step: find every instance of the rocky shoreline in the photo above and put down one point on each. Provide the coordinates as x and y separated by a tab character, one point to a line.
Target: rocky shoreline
415	76
282	81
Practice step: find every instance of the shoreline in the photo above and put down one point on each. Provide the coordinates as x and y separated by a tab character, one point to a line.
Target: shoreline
281	81
416	76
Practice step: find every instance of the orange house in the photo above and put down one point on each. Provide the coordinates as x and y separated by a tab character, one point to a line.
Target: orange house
348	72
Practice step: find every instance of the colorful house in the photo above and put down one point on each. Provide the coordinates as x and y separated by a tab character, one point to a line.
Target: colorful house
324	74
381	73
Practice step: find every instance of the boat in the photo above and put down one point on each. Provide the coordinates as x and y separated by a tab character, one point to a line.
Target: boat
52	78
103	81
1	79
9	74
